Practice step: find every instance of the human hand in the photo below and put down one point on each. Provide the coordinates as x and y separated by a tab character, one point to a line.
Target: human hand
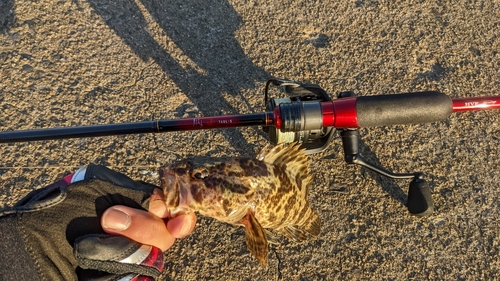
153	228
93	224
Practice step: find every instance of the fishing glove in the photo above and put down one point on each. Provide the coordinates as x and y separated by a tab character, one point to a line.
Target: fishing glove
54	233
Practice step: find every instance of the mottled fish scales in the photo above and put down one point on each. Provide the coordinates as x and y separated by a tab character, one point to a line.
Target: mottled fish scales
267	192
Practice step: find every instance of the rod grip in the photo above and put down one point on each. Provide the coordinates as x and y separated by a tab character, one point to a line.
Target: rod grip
399	109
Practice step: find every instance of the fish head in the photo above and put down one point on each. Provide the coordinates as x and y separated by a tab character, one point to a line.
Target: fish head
191	186
178	182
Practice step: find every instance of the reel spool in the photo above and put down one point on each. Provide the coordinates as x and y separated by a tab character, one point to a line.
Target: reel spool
301	105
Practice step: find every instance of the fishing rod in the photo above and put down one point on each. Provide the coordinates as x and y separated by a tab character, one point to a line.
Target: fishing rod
307	115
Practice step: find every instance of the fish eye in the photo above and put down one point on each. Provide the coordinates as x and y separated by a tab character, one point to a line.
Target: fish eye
199	175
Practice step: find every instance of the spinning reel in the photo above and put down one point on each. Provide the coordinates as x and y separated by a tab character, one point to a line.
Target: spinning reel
316	139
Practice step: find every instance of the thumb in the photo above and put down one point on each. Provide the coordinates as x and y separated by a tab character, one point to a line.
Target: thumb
138	225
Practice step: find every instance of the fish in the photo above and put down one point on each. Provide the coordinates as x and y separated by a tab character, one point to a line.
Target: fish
266	195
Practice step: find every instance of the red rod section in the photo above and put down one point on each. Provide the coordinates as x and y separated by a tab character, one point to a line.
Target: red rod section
481	103
340	113
215	122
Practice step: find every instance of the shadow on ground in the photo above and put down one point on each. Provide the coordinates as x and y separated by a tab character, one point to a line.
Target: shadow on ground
7	16
207	39
388	185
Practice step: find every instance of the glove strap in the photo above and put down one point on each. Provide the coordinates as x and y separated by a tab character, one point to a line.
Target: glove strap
117	254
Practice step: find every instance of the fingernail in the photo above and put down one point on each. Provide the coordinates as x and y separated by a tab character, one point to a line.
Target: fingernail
186	227
156	195
115	219
157	191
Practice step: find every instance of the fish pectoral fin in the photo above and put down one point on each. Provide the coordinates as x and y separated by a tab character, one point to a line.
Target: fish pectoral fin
237	215
256	238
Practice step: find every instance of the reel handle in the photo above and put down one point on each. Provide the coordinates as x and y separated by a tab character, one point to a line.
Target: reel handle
420	201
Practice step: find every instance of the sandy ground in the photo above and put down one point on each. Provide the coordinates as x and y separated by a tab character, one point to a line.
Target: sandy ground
83	62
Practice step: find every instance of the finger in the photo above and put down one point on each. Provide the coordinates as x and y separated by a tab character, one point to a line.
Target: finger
182	225
157	204
138	225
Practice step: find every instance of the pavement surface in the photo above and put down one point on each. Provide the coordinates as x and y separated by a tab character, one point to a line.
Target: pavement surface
85	62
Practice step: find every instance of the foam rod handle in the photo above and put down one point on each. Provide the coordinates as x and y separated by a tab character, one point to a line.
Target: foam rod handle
411	108
419	198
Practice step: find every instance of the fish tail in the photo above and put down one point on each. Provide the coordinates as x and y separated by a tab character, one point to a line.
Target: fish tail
307	223
310	222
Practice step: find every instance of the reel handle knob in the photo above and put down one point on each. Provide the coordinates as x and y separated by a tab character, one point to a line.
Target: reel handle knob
419	198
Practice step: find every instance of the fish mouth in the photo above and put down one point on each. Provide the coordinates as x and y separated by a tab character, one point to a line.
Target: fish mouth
171	187
176	191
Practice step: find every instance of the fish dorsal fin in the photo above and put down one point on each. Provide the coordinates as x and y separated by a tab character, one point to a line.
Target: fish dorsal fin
255	238
294	162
